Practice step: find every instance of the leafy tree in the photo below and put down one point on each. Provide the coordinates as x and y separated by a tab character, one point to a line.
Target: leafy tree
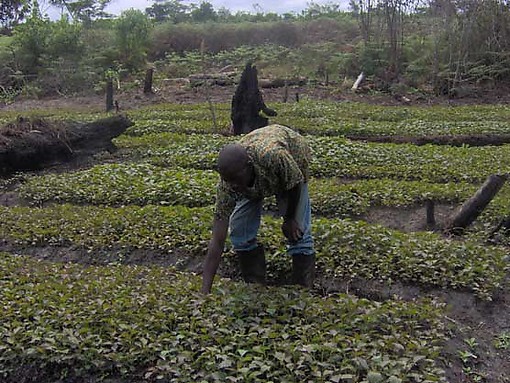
224	14
475	45
315	10
83	10
31	40
204	12
164	10
382	27
64	39
132	31
12	12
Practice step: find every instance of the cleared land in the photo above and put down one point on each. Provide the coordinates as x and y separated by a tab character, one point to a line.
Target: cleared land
100	257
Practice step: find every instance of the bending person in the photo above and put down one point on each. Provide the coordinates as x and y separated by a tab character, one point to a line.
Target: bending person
273	160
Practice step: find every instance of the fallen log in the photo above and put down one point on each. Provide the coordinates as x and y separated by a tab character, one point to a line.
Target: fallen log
32	143
229	78
473	207
281	82
218	79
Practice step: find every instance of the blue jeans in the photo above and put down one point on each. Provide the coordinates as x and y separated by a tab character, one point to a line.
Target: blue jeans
245	223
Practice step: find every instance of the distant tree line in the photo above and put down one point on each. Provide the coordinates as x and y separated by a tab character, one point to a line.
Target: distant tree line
441	45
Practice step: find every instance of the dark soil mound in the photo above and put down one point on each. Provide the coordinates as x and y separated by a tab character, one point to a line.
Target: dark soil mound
32	143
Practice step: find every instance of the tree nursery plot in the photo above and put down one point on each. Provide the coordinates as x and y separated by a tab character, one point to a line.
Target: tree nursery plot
99	259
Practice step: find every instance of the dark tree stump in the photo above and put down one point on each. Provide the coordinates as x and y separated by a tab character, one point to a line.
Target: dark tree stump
109	95
473	207
247	103
431	218
147	88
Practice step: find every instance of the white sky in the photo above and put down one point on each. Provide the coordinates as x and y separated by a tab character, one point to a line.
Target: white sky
252	6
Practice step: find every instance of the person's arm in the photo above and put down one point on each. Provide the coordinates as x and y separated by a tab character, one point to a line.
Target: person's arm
214	252
290	227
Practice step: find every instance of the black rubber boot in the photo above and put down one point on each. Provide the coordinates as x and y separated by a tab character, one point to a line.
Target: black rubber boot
303	270
253	265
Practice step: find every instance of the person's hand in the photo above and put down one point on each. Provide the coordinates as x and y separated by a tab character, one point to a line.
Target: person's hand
270	112
291	230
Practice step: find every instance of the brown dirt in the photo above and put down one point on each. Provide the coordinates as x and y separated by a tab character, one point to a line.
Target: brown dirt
409	219
452	140
183	94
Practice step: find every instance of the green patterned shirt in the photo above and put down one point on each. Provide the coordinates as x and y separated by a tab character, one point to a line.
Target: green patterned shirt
280	159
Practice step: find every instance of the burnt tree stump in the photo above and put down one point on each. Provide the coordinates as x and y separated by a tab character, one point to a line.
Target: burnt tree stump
147	87
431	218
473	207
32	144
247	104
109	95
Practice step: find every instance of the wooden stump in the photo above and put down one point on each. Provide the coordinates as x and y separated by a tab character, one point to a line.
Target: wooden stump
431	218
109	95
472	208
147	88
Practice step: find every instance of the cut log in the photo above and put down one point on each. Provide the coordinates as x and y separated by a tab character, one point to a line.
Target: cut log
358	81
219	79
280	82
472	208
31	144
228	78
247	103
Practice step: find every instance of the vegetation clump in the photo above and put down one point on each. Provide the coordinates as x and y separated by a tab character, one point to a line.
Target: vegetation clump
74	321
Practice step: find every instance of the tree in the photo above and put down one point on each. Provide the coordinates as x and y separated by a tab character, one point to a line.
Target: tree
474	46
382	28
204	12
12	12
31	41
224	14
315	10
132	30
83	10
164	10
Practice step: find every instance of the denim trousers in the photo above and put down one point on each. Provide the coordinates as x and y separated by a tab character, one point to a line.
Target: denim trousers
245	223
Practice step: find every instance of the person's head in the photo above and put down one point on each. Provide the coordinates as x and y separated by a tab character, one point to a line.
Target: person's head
235	167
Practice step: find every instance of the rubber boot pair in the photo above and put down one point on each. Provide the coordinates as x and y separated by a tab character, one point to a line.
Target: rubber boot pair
303	270
253	265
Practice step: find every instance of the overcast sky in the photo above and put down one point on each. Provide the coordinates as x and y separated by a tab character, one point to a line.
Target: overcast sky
278	6
252	6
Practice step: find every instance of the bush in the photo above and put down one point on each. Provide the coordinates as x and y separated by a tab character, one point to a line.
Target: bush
132	33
